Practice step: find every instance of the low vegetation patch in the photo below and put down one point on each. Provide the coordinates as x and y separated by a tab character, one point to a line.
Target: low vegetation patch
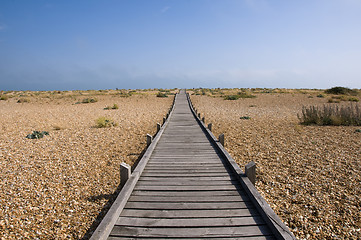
341	91
104	122
115	106
89	100
238	96
331	115
245	117
337	99
162	95
23	100
231	97
37	135
4	97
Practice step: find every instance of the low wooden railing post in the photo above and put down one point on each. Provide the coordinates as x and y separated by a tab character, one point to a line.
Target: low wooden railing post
158	127
164	119
210	127
125	172
199	115
149	140
167	115
203	119
221	139
250	170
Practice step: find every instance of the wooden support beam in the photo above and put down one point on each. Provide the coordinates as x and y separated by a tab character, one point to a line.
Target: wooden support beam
125	172
210	127
149	140
221	139
250	170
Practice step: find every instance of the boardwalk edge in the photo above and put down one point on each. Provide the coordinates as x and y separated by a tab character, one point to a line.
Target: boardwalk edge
278	227
107	223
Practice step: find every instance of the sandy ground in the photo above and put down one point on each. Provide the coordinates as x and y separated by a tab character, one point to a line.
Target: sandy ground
310	175
55	187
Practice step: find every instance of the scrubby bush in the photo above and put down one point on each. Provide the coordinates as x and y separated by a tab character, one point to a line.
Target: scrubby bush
320	96
4	97
331	115
89	100
341	91
353	99
104	122
245	95
125	94
115	106
162	95
238	96
37	135
23	100
231	97
245	117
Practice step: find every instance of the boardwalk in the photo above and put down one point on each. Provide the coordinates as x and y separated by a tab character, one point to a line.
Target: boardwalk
188	190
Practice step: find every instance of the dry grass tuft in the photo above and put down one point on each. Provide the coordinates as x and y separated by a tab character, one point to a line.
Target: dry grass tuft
331	115
104	122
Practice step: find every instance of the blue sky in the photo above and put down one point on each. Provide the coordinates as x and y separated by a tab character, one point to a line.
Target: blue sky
108	44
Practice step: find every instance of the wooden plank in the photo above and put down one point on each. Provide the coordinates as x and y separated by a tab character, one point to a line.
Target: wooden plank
215	213
210	198
198	174
242	231
200	237
185	188
194	178
185	183
217	170
185	193
186	205
190	222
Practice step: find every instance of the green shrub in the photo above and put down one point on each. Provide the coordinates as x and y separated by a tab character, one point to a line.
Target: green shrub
333	100
231	97
341	91
162	95
115	106
353	99
245	117
245	95
89	100
104	122
4	97
331	115
125	94
23	100
37	135
320	96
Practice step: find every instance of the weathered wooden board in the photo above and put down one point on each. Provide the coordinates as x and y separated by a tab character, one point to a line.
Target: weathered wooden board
199	237
215	213
190	222
242	231
207	198
186	193
187	205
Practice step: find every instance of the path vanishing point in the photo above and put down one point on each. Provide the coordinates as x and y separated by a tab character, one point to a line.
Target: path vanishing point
186	186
